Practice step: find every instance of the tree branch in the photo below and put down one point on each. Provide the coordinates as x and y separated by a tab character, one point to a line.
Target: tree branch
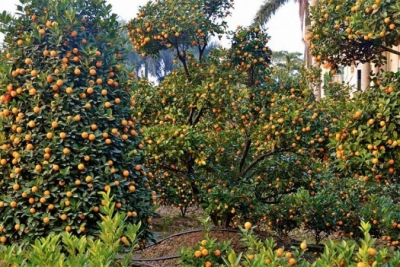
190	118
196	120
261	158
245	153
390	50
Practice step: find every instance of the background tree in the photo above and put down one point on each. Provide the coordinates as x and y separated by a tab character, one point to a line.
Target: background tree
67	131
346	32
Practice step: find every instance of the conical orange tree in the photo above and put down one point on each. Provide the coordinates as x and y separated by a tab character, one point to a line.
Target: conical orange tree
66	125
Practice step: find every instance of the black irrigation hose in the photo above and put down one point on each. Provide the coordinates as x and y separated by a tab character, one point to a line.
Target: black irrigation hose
175	235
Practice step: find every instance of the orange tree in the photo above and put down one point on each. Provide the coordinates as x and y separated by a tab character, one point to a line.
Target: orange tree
221	131
346	32
67	131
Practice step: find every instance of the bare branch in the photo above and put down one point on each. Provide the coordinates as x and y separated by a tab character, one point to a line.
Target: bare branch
245	153
261	158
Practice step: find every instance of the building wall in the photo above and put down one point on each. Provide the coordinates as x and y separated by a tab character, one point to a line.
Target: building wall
359	76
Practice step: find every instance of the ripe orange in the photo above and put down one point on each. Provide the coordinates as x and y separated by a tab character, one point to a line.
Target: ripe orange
197	254
247	226
63	217
132	188
89	90
16	187
303	245
88	179
13	204
371	252
31	124
54	124
63	135
279	252
66	151
34	73
92	72
217	252
107	188
74	34
292	261
35	189
81	167
56	167
46	220
68	228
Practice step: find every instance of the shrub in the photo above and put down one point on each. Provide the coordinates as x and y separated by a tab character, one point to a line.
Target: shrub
67	131
66	249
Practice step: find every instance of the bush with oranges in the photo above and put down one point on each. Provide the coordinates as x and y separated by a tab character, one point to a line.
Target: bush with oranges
66	122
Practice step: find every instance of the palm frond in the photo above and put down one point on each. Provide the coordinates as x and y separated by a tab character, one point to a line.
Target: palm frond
267	10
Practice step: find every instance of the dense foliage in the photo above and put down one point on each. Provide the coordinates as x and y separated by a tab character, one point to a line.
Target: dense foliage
67	130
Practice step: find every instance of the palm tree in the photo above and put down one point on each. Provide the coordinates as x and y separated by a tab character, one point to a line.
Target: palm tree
269	8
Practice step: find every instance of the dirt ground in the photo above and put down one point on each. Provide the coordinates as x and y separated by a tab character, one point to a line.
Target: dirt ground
186	232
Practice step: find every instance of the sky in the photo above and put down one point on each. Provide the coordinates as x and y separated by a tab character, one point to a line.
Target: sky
283	27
